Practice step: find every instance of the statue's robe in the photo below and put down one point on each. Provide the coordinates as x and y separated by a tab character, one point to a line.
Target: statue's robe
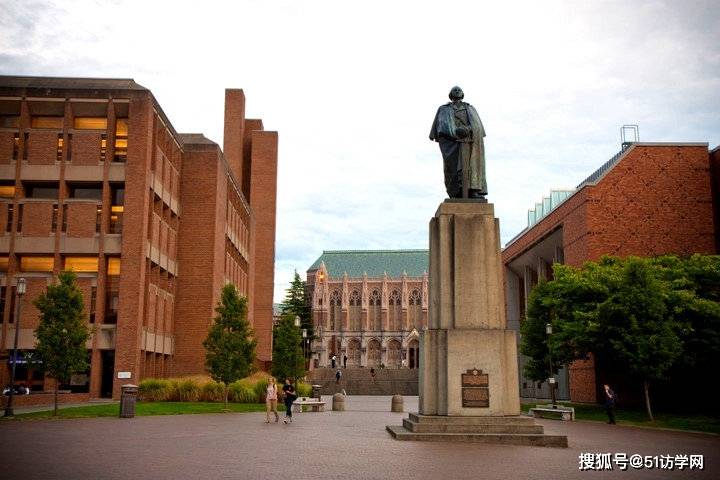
462	157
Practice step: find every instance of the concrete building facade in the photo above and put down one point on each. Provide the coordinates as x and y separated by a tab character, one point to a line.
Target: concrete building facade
94	178
650	199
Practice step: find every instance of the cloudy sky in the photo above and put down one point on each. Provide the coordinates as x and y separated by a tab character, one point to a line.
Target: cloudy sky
352	88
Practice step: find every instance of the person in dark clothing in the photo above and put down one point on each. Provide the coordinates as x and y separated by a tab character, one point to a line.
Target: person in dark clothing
290	396
338	376
610	399
344	361
333	361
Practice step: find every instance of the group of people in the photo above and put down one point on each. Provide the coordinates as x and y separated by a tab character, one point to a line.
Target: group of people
271	398
334	361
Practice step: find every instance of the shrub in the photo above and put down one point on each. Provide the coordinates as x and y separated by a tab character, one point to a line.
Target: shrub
260	389
242	392
187	390
212	392
304	389
155	390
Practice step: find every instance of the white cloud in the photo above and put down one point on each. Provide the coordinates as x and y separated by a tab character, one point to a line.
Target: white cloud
352	89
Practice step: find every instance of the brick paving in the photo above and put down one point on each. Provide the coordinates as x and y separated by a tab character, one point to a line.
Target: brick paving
337	445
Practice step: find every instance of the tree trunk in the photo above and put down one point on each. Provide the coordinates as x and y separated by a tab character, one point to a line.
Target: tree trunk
227	391
55	411
646	388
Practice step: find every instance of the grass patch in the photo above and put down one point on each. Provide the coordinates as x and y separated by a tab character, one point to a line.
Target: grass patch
638	417
143	409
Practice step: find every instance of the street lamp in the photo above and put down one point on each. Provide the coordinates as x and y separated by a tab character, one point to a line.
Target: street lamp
551	380
297	324
20	291
304	336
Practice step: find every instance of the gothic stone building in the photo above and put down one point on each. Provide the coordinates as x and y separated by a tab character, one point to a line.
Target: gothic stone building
369	305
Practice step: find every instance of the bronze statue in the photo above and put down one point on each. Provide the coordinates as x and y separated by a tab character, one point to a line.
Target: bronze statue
458	129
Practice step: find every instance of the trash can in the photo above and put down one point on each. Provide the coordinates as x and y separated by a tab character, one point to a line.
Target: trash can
396	403
128	397
316	391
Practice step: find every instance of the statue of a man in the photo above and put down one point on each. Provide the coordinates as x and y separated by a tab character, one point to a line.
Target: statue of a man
458	129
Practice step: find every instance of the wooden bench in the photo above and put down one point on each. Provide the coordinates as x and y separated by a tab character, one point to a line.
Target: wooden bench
314	404
566	413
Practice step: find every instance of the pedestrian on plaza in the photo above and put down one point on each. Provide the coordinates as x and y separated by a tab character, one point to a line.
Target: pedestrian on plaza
338	376
333	361
372	373
290	396
610	400
344	361
271	400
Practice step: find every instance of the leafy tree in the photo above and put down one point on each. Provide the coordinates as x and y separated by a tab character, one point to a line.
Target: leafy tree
230	346
288	360
296	304
62	333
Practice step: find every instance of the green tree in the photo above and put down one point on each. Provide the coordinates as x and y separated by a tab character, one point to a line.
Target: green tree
288	360
296	304
230	346
62	333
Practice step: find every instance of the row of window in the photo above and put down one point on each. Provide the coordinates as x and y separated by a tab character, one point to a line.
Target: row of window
116	218
51	190
79	264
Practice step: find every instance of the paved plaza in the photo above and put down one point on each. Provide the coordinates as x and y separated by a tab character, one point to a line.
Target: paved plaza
334	445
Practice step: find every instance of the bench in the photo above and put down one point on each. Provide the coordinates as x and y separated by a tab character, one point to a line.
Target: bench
566	413
314	404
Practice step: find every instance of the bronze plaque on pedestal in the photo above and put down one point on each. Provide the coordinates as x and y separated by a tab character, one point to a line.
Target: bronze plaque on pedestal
475	389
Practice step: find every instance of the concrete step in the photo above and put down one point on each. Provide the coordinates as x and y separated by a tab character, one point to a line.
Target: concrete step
537	440
443	420
476	428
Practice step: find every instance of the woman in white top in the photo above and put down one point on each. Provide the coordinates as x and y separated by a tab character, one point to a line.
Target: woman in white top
271	400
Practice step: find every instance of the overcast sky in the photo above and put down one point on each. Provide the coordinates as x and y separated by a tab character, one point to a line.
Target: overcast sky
352	88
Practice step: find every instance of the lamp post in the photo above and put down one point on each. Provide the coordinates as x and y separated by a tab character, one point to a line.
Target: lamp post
551	380
304	337
20	291
297	324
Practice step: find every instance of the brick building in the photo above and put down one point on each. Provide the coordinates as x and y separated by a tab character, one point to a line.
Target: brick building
649	199
94	178
369	305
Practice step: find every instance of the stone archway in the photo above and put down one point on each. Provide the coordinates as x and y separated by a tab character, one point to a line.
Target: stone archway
373	353
353	353
394	354
413	354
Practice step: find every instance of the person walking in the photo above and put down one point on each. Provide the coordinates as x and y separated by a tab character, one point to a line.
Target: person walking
271	400
610	399
344	361
338	376
372	373
290	396
333	360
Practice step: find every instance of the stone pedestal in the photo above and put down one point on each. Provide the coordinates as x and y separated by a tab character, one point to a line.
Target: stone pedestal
469	387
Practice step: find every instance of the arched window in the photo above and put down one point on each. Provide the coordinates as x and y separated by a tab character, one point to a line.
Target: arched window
415	309
354	307
375	308
335	303
394	310
394	354
373	353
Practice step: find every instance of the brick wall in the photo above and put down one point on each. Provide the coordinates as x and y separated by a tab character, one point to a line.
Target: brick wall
715	172
234	131
37	219
81	219
42	147
263	193
85	148
6	147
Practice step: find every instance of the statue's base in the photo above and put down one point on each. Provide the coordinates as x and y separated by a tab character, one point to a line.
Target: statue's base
512	430
466	200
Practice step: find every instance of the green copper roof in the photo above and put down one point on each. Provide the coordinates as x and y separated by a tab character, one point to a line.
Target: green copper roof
373	262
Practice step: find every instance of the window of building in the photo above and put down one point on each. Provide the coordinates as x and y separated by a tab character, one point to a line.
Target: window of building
103	147
375	310
37	264
415	309
7	190
121	140
117	194
81	264
11	210
3	291
90	123
354	313
48	190
88	191
59	147
21	209
93	303
335	305
47	122
10	121
4	264
16	146
112	286
394	310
